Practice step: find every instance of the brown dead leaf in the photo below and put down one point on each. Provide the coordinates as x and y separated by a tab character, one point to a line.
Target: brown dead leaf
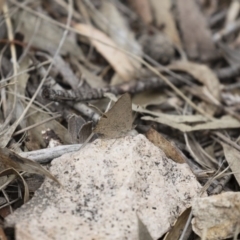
12	160
168	148
169	117
202	73
108	49
232	157
2	234
164	17
178	226
143	9
199	154
1	4
147	98
191	20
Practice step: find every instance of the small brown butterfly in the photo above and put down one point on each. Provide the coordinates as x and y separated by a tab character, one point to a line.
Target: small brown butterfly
118	120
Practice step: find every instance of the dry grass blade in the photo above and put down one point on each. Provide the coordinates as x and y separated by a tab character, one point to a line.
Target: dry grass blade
11	171
14	60
226	122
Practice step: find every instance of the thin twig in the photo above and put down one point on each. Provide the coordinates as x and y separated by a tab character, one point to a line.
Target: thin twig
46	155
14	61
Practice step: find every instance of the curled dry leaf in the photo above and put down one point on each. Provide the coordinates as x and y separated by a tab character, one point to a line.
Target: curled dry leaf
108	49
202	73
12	160
10	171
168	148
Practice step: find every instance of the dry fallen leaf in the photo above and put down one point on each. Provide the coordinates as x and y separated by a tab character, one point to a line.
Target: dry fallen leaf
118	30
225	122
179	225
2	234
233	12
202	73
232	157
164	17
200	44
168	148
12	160
143	9
47	35
172	118
1	4
108	49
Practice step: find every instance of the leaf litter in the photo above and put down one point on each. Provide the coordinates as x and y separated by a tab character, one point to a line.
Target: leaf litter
148	48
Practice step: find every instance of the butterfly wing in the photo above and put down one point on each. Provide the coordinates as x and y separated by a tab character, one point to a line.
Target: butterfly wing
118	120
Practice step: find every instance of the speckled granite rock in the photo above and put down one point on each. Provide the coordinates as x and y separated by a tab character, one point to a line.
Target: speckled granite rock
217	217
104	186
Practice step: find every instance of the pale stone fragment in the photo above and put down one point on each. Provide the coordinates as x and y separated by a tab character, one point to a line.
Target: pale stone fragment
217	217
105	186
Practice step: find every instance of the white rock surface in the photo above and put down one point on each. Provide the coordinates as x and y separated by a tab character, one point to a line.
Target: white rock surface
217	217
104	185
